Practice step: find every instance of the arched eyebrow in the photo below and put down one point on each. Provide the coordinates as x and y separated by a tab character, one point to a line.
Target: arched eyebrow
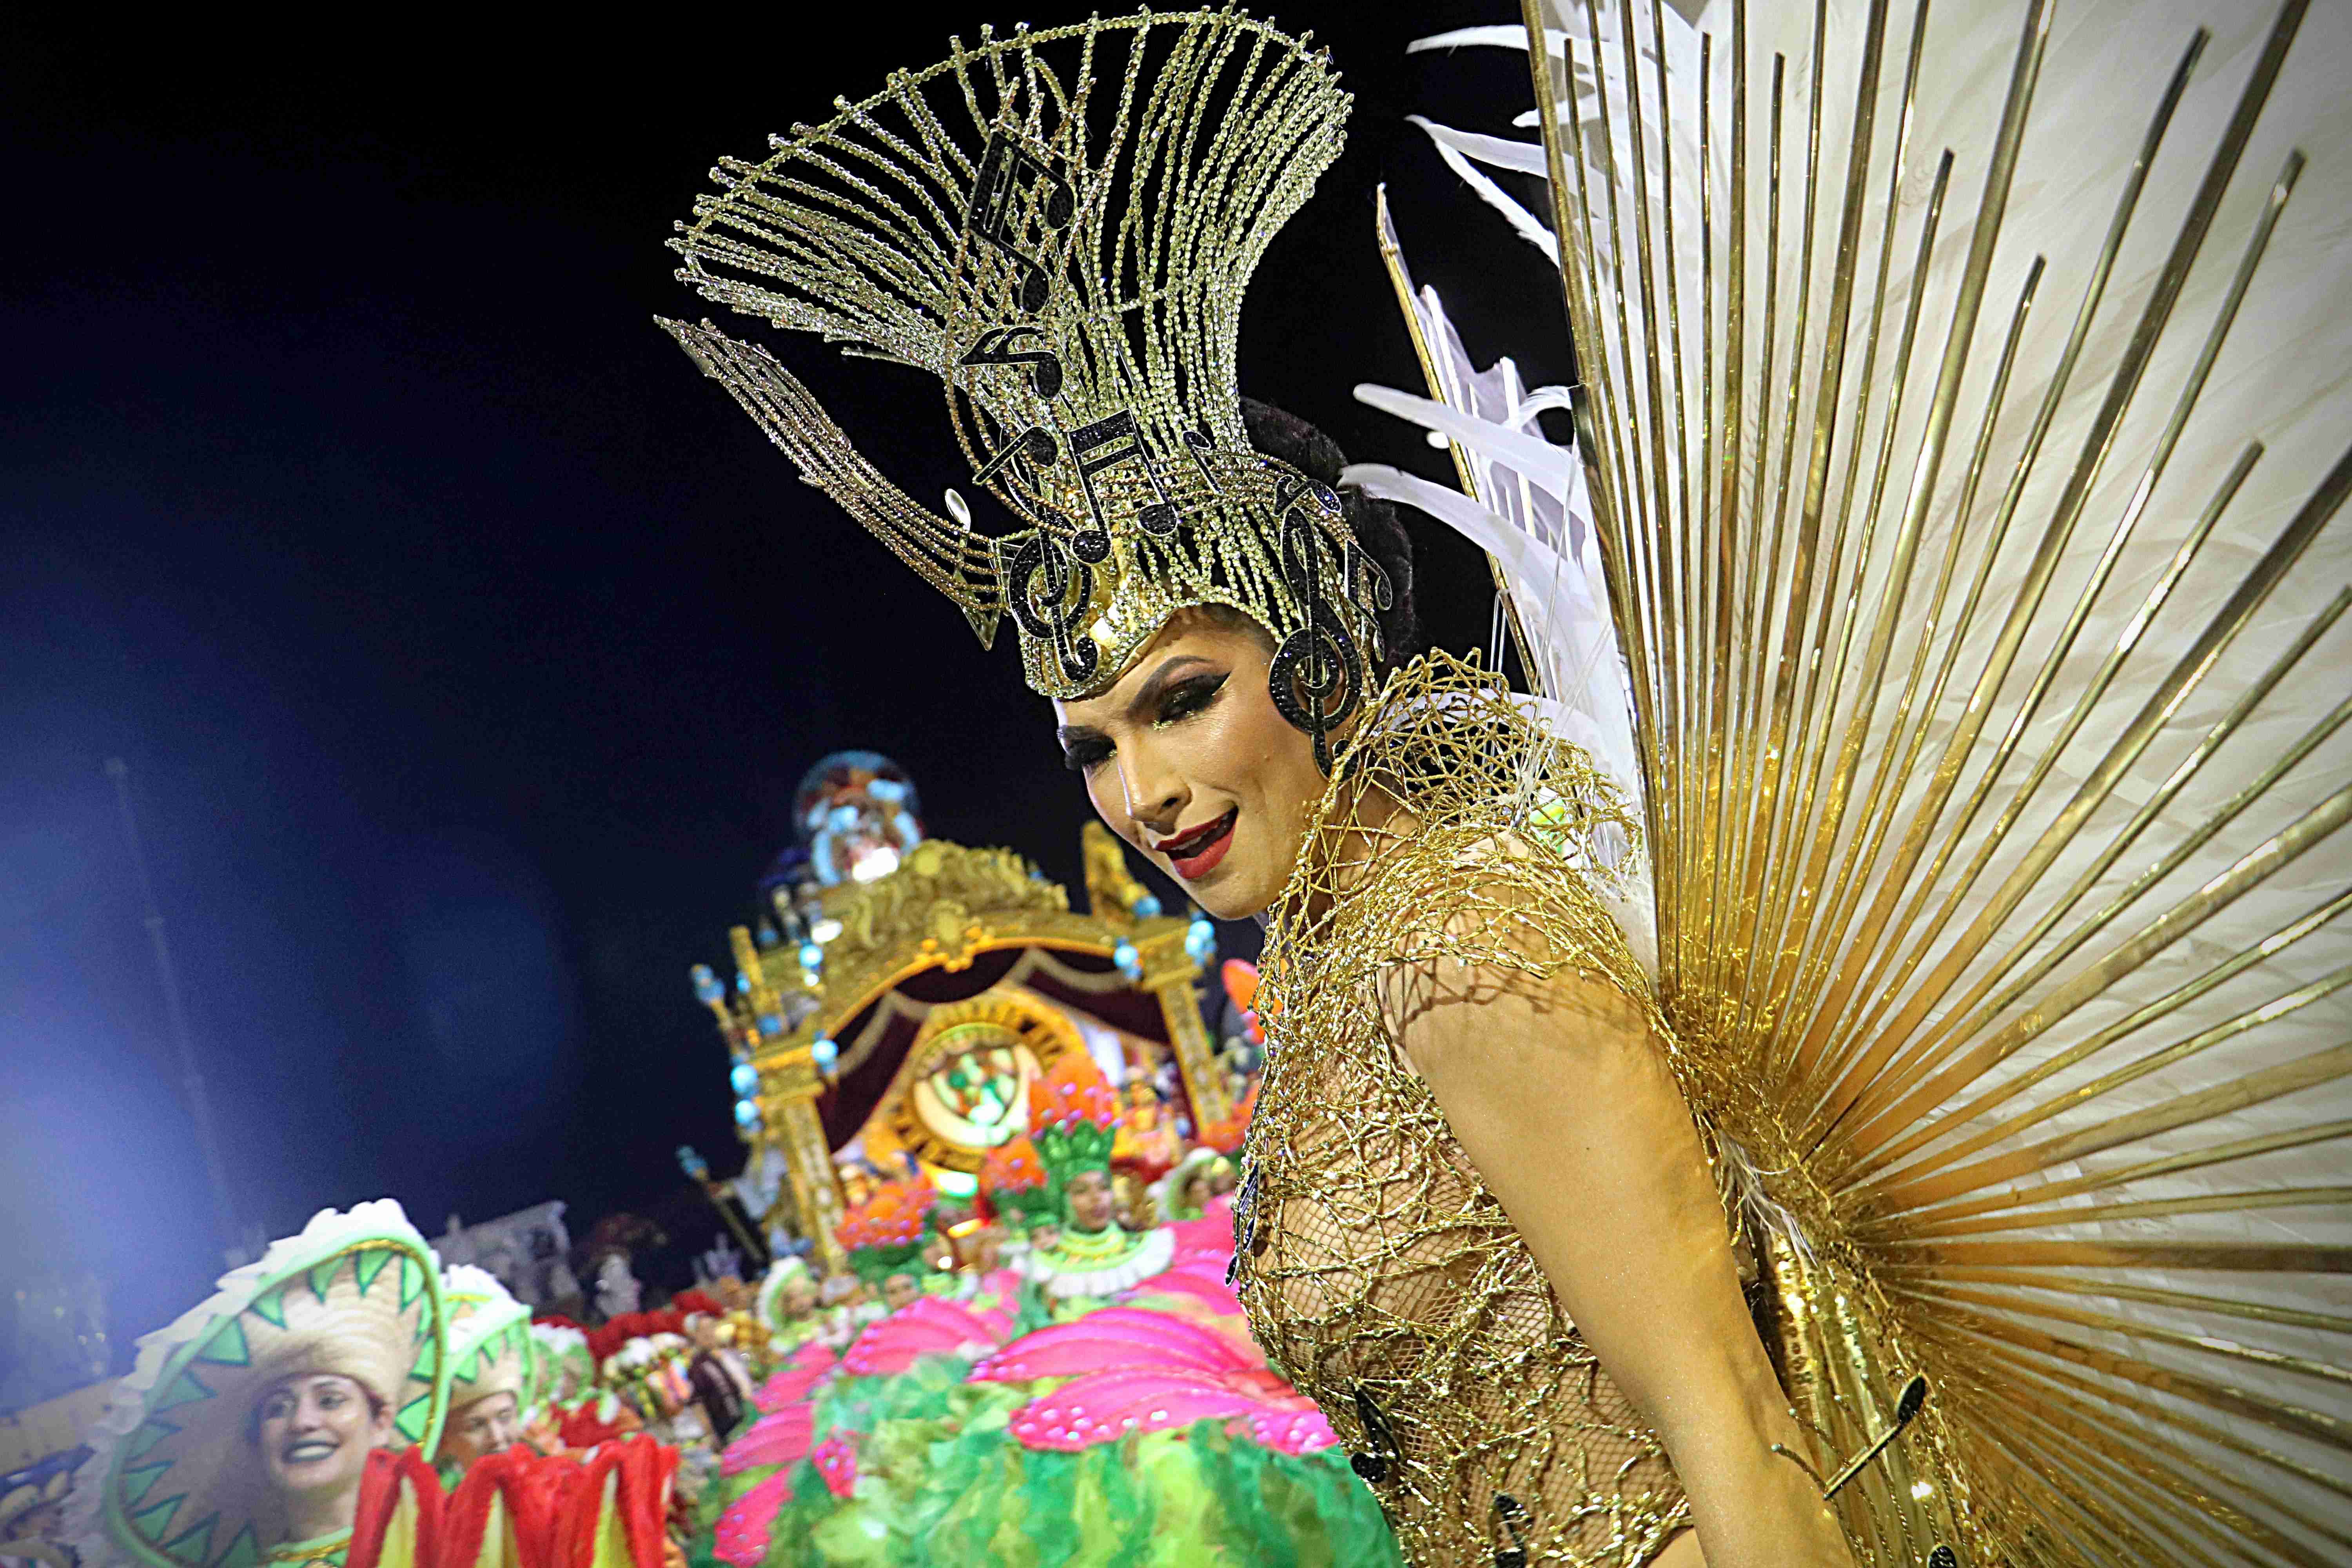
1139	706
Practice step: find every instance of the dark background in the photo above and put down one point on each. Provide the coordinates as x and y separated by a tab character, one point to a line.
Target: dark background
465	643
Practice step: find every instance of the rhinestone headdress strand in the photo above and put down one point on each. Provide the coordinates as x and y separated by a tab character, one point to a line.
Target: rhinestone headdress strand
1059	225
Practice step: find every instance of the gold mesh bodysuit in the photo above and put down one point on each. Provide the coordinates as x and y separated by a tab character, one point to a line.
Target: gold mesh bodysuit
1377	1269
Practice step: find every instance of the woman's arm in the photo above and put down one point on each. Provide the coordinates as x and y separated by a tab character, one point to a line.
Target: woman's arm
1563	1100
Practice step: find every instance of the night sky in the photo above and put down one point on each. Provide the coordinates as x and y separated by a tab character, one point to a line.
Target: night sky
464	643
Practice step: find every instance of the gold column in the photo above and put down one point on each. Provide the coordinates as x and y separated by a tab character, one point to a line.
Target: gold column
1168	972
788	1092
789	1087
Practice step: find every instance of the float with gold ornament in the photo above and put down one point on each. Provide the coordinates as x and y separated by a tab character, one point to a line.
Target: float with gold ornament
900	994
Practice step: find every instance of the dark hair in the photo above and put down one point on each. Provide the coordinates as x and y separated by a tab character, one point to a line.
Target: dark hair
1280	434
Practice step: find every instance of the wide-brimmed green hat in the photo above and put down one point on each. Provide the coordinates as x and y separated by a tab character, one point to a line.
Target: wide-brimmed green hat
174	1478
490	1346
563	1367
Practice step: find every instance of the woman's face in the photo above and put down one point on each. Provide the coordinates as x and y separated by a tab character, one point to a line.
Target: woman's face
315	1432
1186	757
487	1427
1090	1199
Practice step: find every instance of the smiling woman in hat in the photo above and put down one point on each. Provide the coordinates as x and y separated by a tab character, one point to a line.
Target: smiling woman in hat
242	1434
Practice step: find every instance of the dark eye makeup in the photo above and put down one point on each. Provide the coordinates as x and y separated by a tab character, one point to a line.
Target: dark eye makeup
1186	698
1083	751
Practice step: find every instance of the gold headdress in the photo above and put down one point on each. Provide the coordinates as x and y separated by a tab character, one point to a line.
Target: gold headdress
1059	225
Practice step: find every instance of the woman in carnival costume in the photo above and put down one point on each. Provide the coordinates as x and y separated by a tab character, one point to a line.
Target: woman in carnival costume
245	1431
1074	1125
787	1303
1898	891
889	1241
1188	1190
493	1366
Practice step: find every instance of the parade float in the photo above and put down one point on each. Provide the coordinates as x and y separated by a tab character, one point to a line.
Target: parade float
899	994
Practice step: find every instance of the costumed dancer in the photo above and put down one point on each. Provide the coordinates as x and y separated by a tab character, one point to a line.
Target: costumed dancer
493	1361
787	1303
1087	1256
889	1241
1187	1191
261	1426
1931	923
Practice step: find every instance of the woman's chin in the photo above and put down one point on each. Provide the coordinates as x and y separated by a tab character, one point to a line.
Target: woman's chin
1232	896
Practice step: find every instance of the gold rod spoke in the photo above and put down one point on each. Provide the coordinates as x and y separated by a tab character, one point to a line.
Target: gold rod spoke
2230	1202
2138	736
2021	1364
1800	655
2147	1492
2212	1154
1887	618
2237	964
2184	1485
2316	1426
1865	971
2285	762
2183	1111
2106	1322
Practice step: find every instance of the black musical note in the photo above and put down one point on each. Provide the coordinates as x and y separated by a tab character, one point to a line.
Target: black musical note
1289	487
1050	615
995	347
1318	676
1379	1442
1005	194
1036	444
1105	444
1512	1515
1198	444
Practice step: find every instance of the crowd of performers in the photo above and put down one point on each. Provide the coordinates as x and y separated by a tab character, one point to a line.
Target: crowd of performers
1061	1375
1056	1370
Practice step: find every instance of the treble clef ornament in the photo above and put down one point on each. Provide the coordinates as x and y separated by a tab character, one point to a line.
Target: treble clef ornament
1049	591
1317	674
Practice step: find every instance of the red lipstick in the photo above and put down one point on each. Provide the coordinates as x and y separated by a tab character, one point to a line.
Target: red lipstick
1194	855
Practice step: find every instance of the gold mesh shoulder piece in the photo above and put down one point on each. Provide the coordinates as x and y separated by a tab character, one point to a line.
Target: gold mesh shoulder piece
1376	1268
1059	225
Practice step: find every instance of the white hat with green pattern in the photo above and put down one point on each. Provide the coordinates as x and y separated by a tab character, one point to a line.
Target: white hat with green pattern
174	1480
490	1346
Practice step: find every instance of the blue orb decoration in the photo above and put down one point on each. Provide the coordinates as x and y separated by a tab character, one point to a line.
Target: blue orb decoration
707	989
747	1113
824	1052
1128	962
772	1024
745	1077
812	956
1144	908
742	984
1200	941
